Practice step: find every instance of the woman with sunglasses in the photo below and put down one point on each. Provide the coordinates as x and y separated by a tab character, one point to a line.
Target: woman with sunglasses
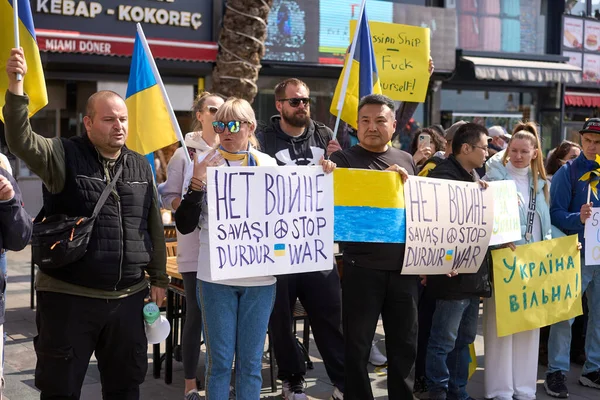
179	174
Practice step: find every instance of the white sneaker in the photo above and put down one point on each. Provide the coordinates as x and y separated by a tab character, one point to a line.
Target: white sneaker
337	394
293	390
376	358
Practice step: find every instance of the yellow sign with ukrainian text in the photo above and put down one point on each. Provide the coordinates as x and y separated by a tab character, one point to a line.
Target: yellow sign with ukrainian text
538	284
402	56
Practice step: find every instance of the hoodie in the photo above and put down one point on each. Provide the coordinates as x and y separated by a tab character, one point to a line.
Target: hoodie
179	174
305	149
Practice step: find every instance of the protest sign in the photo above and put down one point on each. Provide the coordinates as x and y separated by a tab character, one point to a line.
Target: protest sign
269	221
539	284
448	226
402	56
592	238
507	222
369	206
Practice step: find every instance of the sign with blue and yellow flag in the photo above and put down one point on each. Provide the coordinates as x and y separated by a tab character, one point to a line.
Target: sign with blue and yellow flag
152	123
34	83
359	76
368	206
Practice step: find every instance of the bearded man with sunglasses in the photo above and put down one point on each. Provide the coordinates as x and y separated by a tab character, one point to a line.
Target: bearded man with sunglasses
293	138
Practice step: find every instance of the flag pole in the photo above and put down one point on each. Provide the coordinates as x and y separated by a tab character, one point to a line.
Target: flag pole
349	59
174	122
15	4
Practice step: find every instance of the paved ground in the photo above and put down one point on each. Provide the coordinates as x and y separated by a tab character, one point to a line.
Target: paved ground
20	357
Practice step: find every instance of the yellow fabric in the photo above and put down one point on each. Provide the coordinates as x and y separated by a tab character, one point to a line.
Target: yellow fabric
427	169
473	362
150	126
34	82
367	188
243	157
538	284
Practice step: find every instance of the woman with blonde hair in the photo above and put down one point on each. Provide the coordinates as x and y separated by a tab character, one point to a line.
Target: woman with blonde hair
512	361
235	311
201	140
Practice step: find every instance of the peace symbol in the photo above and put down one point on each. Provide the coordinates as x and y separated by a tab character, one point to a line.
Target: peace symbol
452	235
281	229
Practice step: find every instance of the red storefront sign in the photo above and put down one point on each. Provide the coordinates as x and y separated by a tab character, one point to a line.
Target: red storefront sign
110	45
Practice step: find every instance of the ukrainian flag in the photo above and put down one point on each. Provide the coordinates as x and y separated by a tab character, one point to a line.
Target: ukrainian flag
151	125
34	83
363	78
368	206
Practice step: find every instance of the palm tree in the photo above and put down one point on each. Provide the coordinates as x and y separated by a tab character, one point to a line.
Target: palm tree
241	48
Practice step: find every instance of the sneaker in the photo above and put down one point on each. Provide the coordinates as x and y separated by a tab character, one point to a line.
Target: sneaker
192	395
555	385
591	380
420	389
376	358
293	389
337	394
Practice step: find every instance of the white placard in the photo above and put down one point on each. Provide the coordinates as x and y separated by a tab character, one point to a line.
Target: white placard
448	226
269	221
592	238
507	221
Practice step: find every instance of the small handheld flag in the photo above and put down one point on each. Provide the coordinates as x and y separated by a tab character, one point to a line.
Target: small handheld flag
152	122
17	30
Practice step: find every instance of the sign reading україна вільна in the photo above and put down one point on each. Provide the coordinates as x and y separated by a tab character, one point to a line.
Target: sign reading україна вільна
402	56
269	221
448	226
539	284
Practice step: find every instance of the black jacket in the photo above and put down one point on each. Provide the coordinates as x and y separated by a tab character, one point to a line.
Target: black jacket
120	246
463	285
15	229
305	149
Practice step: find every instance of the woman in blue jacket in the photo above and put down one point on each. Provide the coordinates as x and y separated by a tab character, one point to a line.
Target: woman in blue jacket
512	361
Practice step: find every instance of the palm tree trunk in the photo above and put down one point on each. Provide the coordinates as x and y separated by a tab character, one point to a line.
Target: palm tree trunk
241	48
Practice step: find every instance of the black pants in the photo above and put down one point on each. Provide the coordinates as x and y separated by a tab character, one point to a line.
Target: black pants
319	293
71	328
366	293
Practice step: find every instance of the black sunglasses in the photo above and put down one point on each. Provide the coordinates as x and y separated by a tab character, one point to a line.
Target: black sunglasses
295	101
232	126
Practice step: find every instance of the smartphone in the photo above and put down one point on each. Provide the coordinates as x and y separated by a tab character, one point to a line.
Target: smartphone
424	141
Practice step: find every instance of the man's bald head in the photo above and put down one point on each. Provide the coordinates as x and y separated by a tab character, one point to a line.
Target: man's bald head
90	107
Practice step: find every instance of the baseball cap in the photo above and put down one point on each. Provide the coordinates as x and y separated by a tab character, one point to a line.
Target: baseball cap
498	131
450	132
592	125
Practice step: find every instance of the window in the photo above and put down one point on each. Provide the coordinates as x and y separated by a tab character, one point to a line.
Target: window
510	26
576	7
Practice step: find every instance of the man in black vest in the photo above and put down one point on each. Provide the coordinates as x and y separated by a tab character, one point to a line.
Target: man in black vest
93	305
293	138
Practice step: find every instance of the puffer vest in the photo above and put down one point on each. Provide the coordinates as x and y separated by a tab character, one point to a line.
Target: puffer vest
120	246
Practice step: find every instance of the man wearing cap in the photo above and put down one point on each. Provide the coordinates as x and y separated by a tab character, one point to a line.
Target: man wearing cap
569	209
499	139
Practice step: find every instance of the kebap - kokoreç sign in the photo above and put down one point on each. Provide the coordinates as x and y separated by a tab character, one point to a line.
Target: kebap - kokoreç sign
107	27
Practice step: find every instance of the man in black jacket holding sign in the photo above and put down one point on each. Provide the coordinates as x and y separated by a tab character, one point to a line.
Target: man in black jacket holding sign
293	138
454	324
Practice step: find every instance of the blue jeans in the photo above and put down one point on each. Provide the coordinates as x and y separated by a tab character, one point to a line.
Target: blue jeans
559	341
235	322
453	329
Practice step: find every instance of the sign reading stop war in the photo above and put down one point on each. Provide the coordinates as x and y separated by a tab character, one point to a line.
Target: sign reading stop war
269	221
448	226
592	238
402	56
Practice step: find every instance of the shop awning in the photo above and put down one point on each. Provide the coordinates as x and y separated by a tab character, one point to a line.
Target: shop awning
523	70
111	45
582	99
